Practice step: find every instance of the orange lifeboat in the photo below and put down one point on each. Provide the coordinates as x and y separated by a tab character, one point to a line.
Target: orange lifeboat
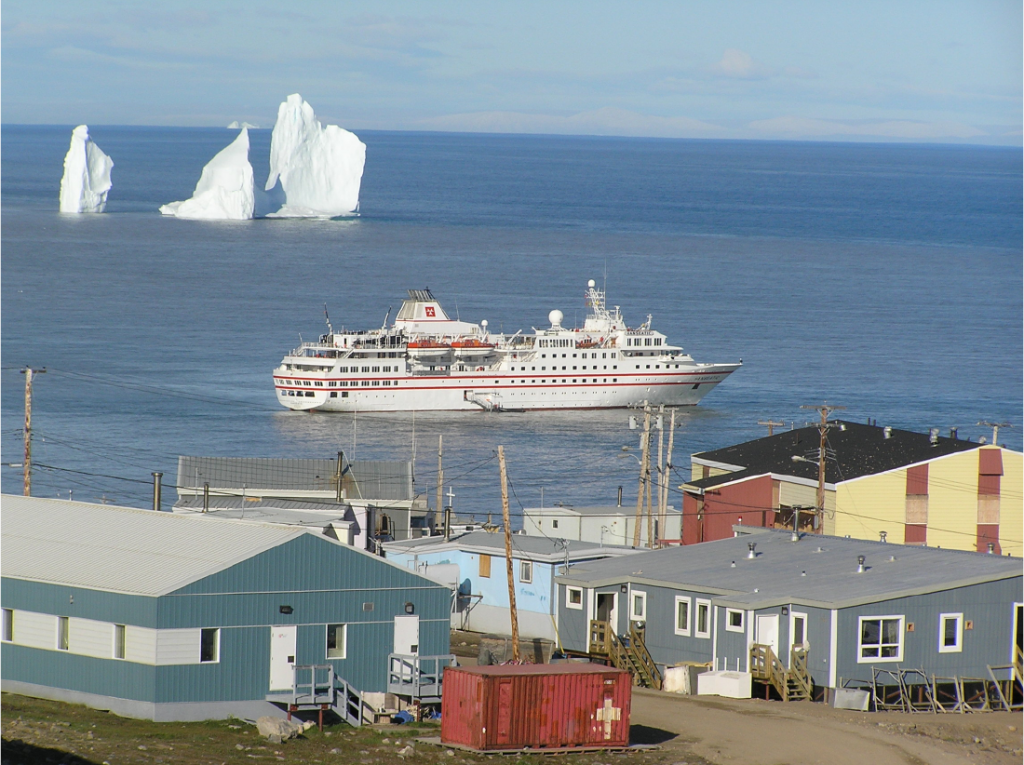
471	348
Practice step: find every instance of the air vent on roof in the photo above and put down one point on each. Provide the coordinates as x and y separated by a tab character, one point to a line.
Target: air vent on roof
750	550
860	564
933	436
882	535
886	432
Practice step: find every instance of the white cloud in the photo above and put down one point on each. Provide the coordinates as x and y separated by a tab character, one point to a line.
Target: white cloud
736	64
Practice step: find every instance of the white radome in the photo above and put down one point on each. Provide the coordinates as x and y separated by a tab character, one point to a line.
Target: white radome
555	317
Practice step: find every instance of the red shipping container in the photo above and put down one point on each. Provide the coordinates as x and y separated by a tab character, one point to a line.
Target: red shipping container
536	706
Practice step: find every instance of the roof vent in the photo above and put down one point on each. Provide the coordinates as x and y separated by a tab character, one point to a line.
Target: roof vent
803	573
795	536
886	432
732	565
860	564
892	558
750	550
882	535
983	440
953	433
991	548
933	436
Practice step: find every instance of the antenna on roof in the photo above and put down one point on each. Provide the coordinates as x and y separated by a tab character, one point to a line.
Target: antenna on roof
995	428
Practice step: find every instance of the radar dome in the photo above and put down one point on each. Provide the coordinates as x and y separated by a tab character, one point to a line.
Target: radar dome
484	324
591	284
555	317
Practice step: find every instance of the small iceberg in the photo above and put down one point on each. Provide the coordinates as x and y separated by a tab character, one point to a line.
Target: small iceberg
86	181
236	125
315	170
225	189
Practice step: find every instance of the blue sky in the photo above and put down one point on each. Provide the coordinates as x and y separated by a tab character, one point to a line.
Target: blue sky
916	71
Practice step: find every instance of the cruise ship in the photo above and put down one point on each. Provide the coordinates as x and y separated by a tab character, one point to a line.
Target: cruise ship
425	360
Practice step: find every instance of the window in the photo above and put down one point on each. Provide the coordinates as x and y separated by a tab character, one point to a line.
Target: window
336	640
638	607
119	641
8	634
554	524
703	625
733	620
63	633
682	616
526	571
798	629
951	633
881	639
209	646
485	566
574	598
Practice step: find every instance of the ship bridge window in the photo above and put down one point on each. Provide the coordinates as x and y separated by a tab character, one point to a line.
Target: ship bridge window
657	341
343	370
604	355
375	369
366	369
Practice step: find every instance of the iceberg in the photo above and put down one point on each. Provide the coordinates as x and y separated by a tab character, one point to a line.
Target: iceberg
315	170
225	189
236	125
86	181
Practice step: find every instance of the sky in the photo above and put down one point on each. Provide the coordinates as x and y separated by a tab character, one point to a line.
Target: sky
838	70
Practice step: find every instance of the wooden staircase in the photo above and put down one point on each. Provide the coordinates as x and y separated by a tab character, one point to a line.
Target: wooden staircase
630	654
791	684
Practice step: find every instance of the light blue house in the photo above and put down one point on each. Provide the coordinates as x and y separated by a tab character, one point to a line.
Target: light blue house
167	617
475	563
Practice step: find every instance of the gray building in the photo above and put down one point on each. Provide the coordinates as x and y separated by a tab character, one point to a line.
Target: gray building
602	524
381	496
167	617
851	604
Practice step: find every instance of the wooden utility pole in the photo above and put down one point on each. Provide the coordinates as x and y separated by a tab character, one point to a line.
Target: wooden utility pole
663	514
771	425
27	465
661	472
440	485
508	556
825	410
644	471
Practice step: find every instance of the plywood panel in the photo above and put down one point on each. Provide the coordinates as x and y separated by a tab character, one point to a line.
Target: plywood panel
177	646
91	638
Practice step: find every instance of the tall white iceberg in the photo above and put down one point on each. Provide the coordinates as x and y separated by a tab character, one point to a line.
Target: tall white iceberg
315	170
225	189
86	181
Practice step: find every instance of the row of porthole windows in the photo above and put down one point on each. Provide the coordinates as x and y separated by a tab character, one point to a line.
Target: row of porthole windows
582	355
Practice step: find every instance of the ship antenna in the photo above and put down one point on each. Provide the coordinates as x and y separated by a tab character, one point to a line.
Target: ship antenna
328	320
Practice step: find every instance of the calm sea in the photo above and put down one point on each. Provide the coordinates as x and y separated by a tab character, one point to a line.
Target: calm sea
886	279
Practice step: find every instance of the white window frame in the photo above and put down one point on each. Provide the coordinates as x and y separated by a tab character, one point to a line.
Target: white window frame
343	653
526	571
742	625
698	603
119	649
216	645
8	627
633	615
959	645
568	598
861	658
793	616
63	633
683	631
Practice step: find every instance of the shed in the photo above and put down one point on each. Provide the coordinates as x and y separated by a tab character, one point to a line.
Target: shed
167	617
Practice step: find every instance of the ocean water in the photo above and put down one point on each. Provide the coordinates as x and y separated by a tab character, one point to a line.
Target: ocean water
886	279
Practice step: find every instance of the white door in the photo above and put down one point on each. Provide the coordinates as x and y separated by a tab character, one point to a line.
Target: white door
768	631
407	635
798	631
282	658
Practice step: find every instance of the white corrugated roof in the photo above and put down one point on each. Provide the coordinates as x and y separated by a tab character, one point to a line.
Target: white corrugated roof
122	549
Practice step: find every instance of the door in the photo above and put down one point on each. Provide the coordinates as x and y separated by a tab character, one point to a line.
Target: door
282	658
407	635
768	631
798	631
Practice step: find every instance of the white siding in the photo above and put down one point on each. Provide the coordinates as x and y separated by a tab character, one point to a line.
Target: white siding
178	646
140	644
35	630
91	638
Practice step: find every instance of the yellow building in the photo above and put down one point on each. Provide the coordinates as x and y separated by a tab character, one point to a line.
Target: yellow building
880	482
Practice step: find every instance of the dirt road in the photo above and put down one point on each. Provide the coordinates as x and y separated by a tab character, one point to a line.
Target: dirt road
750	732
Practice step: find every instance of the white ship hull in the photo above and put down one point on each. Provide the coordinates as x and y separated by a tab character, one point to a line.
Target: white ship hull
428	362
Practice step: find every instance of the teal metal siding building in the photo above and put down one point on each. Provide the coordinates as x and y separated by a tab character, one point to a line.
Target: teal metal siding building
852	605
167	617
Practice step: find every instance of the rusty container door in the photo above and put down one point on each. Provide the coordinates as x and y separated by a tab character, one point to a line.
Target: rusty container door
557	706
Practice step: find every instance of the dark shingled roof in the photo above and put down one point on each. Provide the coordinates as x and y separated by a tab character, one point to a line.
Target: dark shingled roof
858	450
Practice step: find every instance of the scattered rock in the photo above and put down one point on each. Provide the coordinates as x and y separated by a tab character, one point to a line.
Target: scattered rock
89	733
407	752
275	738
385	741
142	748
1012	727
239	747
449	753
275	726
335	751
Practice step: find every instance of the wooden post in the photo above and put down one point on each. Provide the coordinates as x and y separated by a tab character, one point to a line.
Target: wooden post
440	485
27	465
663	515
508	556
661	476
643	474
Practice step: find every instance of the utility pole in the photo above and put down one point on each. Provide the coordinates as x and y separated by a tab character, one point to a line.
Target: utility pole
27	465
661	475
663	514
448	513
339	494
994	425
508	556
771	425
825	410
440	485
644	470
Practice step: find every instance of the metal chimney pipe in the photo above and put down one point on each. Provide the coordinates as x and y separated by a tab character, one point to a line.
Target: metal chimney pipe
206	497
619	501
882	535
991	548
750	550
886	432
860	564
156	491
